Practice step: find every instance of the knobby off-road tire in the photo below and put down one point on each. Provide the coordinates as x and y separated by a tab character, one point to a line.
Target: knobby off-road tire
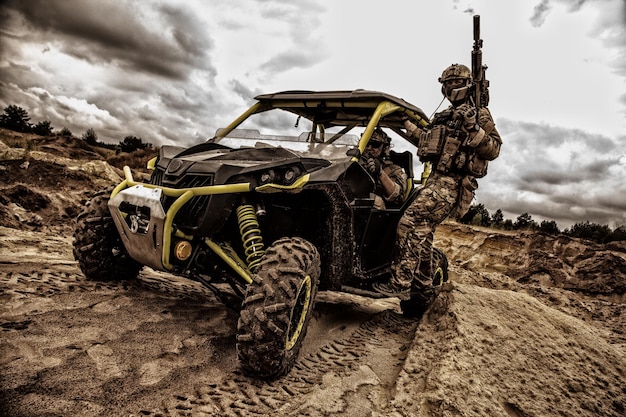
277	308
100	253
419	302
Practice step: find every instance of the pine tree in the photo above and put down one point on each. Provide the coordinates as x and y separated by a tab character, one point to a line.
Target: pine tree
90	137
43	128
15	118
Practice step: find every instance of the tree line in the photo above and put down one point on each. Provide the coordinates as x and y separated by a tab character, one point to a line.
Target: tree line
17	119
478	215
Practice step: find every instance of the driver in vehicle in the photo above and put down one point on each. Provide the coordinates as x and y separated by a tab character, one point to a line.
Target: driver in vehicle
391	180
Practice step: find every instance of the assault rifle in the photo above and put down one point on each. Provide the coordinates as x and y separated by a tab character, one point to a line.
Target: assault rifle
481	85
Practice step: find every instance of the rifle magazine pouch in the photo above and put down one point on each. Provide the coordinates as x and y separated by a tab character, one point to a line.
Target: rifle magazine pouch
476	166
466	195
448	154
431	142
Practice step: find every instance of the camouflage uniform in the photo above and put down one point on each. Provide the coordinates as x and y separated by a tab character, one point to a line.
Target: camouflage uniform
448	190
395	172
399	178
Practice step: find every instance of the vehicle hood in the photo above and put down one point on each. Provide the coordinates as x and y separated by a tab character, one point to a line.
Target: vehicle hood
224	162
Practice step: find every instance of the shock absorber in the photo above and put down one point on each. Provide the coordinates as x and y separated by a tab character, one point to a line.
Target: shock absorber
250	235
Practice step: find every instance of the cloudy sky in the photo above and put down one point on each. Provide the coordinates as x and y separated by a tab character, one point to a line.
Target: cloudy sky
173	71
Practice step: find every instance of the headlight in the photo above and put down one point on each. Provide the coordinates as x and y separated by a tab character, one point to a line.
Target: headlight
281	175
291	174
268	176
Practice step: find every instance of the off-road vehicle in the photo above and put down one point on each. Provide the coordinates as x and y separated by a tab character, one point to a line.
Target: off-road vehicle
263	219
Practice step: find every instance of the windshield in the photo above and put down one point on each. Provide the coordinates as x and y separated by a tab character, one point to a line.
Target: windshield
279	128
283	129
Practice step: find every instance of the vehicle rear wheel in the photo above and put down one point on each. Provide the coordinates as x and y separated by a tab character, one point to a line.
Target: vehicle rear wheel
100	253
277	308
417	304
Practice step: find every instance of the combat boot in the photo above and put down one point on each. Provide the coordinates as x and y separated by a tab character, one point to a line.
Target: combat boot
421	295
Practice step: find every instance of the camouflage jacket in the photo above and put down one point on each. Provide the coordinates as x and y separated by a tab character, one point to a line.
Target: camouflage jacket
451	149
399	177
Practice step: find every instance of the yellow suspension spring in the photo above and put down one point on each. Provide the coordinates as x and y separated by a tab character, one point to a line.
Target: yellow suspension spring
250	235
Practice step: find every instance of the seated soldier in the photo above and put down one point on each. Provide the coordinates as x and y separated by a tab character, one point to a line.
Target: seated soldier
391	180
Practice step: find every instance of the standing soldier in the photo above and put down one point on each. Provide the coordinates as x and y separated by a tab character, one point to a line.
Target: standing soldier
458	144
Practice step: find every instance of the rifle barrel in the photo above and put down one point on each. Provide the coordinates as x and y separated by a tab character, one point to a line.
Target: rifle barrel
476	27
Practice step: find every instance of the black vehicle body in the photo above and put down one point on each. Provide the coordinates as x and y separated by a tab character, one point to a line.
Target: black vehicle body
211	211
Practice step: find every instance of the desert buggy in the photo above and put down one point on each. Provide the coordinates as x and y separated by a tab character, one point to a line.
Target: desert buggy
263	219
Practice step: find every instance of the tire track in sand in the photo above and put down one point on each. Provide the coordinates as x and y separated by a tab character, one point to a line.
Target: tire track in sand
325	381
349	359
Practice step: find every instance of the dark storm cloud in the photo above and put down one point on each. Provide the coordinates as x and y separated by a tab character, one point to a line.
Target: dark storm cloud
147	67
554	155
543	135
594	171
160	40
565	208
154	78
555	173
615	200
547	177
15	73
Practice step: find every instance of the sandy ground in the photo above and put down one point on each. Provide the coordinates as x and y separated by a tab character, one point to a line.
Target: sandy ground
530	325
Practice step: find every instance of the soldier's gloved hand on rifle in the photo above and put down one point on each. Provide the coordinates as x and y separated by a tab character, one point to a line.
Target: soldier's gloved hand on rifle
373	166
468	117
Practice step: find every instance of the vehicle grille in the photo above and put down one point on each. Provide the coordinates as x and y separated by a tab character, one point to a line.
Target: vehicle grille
189	214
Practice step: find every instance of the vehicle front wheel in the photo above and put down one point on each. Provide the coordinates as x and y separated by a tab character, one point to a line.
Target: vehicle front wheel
417	304
277	308
100	253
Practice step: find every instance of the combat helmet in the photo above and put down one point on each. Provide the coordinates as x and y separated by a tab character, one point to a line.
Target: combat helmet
379	135
456	72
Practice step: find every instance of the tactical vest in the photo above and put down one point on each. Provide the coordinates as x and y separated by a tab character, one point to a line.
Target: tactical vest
444	145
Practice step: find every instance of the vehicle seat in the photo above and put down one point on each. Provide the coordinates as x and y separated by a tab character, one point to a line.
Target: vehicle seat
405	160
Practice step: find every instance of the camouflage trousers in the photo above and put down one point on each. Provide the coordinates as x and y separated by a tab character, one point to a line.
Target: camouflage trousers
413	257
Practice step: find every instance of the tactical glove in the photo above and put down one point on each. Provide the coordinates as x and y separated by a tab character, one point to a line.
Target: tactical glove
468	117
373	166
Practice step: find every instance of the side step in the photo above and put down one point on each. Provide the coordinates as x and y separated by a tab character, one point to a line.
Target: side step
362	292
